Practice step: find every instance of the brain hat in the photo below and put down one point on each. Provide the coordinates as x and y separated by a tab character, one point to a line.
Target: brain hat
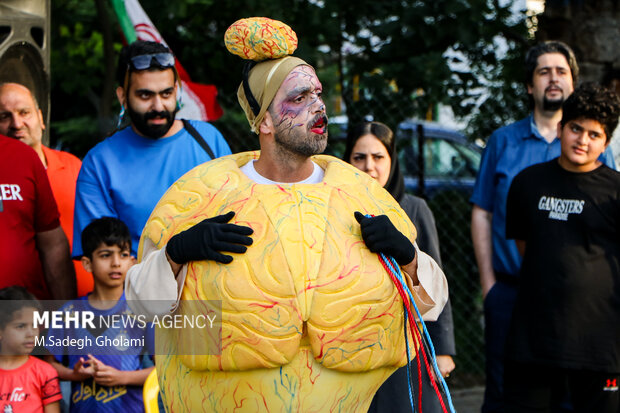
266	45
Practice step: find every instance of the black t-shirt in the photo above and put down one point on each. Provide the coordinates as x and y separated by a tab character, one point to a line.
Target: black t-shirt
567	312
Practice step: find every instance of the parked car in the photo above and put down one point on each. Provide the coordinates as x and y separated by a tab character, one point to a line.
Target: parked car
450	161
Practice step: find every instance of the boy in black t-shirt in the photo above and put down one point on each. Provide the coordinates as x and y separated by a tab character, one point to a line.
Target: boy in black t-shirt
565	217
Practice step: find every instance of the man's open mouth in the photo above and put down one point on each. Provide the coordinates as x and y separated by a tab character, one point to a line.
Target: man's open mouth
320	125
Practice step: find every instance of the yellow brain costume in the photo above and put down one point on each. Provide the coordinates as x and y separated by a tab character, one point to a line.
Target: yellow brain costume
311	321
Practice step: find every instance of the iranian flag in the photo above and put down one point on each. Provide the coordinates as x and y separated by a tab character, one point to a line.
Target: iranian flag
198	100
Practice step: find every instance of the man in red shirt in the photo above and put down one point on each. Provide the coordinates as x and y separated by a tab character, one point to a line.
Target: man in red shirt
34	251
21	118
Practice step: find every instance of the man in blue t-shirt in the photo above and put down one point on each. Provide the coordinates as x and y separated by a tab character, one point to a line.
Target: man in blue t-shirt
551	71
125	175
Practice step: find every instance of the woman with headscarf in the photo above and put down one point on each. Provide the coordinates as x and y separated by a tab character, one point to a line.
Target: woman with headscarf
371	147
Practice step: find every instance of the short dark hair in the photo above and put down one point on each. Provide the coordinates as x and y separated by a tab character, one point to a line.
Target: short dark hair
593	101
137	48
378	129
551	46
13	299
107	230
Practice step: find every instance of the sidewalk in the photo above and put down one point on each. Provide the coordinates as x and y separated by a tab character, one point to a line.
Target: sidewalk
468	400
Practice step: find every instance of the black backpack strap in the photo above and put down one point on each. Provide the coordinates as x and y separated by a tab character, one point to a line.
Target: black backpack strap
203	144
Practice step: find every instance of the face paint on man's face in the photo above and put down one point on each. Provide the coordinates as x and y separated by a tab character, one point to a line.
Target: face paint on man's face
298	113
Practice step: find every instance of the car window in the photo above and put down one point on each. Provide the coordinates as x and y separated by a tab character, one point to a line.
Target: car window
449	159
408	156
442	159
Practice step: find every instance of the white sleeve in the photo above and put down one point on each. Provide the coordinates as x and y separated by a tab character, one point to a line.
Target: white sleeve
150	286
431	294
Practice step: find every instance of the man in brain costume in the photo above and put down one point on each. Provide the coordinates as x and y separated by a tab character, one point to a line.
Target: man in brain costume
310	319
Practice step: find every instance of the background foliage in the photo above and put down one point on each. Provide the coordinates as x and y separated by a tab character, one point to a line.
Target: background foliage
391	59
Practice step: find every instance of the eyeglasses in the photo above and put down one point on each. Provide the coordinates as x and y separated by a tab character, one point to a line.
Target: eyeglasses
145	61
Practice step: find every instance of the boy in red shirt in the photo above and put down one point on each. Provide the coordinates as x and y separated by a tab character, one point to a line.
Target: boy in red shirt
27	384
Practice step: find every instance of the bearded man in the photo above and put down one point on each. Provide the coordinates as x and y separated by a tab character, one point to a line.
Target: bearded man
125	175
310	320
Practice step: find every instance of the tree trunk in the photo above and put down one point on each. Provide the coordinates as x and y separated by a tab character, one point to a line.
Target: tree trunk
105	120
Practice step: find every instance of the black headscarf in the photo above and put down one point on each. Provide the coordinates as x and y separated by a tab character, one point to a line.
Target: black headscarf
395	184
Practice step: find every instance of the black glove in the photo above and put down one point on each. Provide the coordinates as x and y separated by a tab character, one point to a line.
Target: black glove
380	235
205	239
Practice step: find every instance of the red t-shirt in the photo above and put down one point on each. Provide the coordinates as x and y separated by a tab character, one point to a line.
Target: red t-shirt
62	171
27	207
29	387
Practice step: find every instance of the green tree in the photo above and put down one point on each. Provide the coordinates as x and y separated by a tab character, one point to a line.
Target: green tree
391	59
408	55
82	61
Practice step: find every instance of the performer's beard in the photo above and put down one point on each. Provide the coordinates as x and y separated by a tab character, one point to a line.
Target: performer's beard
300	143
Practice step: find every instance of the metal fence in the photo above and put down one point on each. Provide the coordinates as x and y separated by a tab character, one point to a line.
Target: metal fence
452	214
